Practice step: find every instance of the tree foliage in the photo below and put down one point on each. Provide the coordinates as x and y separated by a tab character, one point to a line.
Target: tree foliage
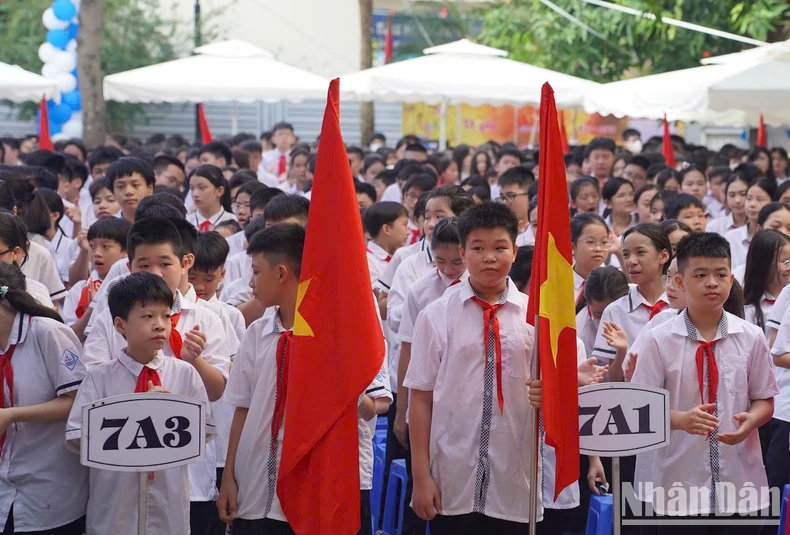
630	45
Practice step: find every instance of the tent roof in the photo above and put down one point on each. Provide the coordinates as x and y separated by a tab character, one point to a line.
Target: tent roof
19	85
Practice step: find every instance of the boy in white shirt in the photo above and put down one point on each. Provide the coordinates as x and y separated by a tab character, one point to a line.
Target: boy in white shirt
721	385
387	225
140	305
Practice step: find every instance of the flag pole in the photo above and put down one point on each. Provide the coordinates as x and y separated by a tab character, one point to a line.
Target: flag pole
535	438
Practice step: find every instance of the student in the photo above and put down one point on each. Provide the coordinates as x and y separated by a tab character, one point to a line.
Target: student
373	165
657	205
366	194
382	181
100	160
140	306
646	253
643	197
783	193
585	195
513	187
241	202
686	209
505	160
521	270
716	199
591	242
720	380
668	180
758	195
387	224
694	182
62	247
103	245
636	171
229	229
169	171
14	242
297	179
675	231
238	179
211	195
447	350
72	181
779	163
761	158
131	180
599	155
767	272
776	216
415	186
215	153
275	161
448	172
618	196
103	200
735	196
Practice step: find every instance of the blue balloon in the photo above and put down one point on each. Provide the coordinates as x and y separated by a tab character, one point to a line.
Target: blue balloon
55	128
73	30
73	100
58	38
64	10
60	113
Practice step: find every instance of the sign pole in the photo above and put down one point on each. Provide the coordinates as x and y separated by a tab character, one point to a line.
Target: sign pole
535	438
617	500
143	511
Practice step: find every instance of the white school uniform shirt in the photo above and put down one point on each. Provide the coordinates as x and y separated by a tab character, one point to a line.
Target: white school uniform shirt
379	388
197	218
586	329
36	238
69	309
392	193
715	208
479	456
42	480
237	292
271	160
252	385
721	225
526	238
422	293
113	505
636	345
629	313
238	266
385	279
781	346
231	317
118	270
39	292
739	244
766	305
66	252
578	286
40	266
739	273
774	319
668	360
237	243
378	259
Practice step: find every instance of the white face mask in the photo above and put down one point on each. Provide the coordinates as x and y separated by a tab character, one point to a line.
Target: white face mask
375	146
635	147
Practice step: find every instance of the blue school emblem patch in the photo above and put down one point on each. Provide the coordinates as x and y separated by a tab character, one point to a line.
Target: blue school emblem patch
69	359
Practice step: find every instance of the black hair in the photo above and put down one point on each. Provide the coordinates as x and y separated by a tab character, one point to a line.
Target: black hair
767	185
353	149
422	181
642	190
138	289
671	225
579	222
781	190
603	284
720	170
764	251
458	199
702	245
665	176
163	161
283	207
515	153
446	233
281	243
110	228
387	176
769	209
214	175
372	159
489	165
251	145
640	161
754	153
364	188
674	205
13	233
415	147
577	184
41	177
189	235
128	166
231	224
98	185
36	212
262	197
657	237
655	169
459	155
248	187
599	143
54	203
612	186
160	205
380	214
521	270
241	177
76	169
101	155
691	169
17	295
253	227
487	216
517	176
154	231
219	150
737	177
419	206
212	252
629	132
279	126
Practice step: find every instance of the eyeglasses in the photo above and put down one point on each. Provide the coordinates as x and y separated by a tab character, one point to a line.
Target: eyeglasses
510	197
592	244
784	264
667	281
239	205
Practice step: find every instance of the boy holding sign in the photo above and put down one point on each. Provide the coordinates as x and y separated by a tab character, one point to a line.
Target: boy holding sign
140	305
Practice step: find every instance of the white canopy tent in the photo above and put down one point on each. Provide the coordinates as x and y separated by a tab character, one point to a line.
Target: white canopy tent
19	85
226	71
438	78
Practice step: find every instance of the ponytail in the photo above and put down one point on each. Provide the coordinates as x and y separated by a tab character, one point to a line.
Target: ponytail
13	290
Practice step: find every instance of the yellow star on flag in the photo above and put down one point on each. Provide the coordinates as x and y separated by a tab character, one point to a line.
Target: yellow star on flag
301	327
556	296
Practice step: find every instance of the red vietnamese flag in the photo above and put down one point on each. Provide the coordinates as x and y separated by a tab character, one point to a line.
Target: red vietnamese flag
338	348
205	133
388	38
551	295
762	140
666	147
44	141
564	134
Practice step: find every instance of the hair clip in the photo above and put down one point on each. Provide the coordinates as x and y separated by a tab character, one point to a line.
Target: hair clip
3	291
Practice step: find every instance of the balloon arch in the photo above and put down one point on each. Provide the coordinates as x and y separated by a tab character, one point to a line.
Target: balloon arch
59	54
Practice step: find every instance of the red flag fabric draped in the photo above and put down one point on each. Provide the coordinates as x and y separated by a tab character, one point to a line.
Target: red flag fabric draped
205	132
666	147
551	297
564	134
388	38
762	140
44	141
338	348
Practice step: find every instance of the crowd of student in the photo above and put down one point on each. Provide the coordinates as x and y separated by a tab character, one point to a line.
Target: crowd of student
157	266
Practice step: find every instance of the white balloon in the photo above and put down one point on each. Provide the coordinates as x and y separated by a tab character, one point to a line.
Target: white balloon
51	22
46	52
65	61
67	82
72	128
51	71
71	47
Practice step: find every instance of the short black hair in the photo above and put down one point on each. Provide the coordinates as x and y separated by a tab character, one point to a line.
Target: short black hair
154	231
446	233
111	228
415	147
719	170
599	143
160	205
605	283
702	245
241	177
515	153
42	177
101	155
419	206
387	176
521	270
280	126
352	149
262	198
487	216
628	132
251	145
76	169
98	185
283	207
189	235
253	227
457	197
219	150
365	188
422	181
517	176
640	161
212	252
248	187
138	289
163	161
232	224
128	166
676	203
671	225
282	243
380	214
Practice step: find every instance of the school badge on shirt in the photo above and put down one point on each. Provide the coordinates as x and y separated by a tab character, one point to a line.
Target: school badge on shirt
69	359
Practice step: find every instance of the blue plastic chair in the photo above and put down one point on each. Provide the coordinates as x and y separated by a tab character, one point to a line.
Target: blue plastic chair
600	516
783	514
396	498
380	437
381	422
379	456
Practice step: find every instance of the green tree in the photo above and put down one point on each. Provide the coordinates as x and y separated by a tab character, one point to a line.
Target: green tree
627	45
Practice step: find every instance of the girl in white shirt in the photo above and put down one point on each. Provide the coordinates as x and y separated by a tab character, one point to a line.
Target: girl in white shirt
735	197
767	272
758	195
591	241
211	195
618	195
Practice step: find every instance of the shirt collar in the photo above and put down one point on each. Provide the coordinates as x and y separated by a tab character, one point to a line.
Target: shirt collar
188	299
426	248
277	326
466	292
636	299
685	327
448	281
578	280
213	219
19	330
378	251
135	367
